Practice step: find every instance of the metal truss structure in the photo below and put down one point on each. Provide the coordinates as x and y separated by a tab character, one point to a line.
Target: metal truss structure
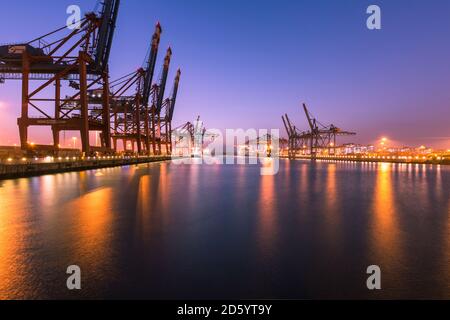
320	138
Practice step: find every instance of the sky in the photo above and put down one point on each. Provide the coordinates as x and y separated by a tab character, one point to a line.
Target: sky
247	62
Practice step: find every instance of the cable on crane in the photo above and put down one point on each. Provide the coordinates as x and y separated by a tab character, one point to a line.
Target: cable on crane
123	77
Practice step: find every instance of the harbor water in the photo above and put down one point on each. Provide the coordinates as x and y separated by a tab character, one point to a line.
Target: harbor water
171	231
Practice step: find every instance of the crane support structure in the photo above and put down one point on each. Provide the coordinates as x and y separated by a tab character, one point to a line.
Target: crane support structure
69	65
126	110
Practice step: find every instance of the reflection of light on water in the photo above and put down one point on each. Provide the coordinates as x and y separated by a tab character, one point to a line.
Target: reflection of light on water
267	162
163	190
82	181
80	230
144	195
240	194
442	195
304	182
331	211
266	219
14	235
331	187
193	185
447	263
143	208
131	171
438	186
153	201
385	240
48	193
92	215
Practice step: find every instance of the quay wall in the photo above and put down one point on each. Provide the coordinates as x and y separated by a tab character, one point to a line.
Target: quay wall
361	159
21	170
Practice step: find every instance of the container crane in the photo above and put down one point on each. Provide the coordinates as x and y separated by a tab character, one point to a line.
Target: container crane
183	139
151	63
80	60
166	122
297	140
157	104
131	112
192	138
322	137
202	138
291	135
318	138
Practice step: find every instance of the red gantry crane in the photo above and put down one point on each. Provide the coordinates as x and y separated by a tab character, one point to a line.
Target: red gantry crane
61	64
134	121
131	113
166	121
157	99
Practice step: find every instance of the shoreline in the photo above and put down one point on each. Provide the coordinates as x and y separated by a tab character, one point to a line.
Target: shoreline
28	170
444	162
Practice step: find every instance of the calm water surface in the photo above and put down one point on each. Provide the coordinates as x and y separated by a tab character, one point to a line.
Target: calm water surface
191	231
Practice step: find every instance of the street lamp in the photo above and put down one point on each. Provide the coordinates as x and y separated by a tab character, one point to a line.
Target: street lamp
74	139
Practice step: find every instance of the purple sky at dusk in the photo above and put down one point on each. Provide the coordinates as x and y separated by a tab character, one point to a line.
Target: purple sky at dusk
247	62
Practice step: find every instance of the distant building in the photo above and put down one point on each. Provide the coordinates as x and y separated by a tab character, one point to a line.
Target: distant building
352	148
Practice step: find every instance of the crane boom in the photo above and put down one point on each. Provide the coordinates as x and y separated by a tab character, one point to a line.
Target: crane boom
151	64
308	117
162	84
286	127
290	125
174	94
106	33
